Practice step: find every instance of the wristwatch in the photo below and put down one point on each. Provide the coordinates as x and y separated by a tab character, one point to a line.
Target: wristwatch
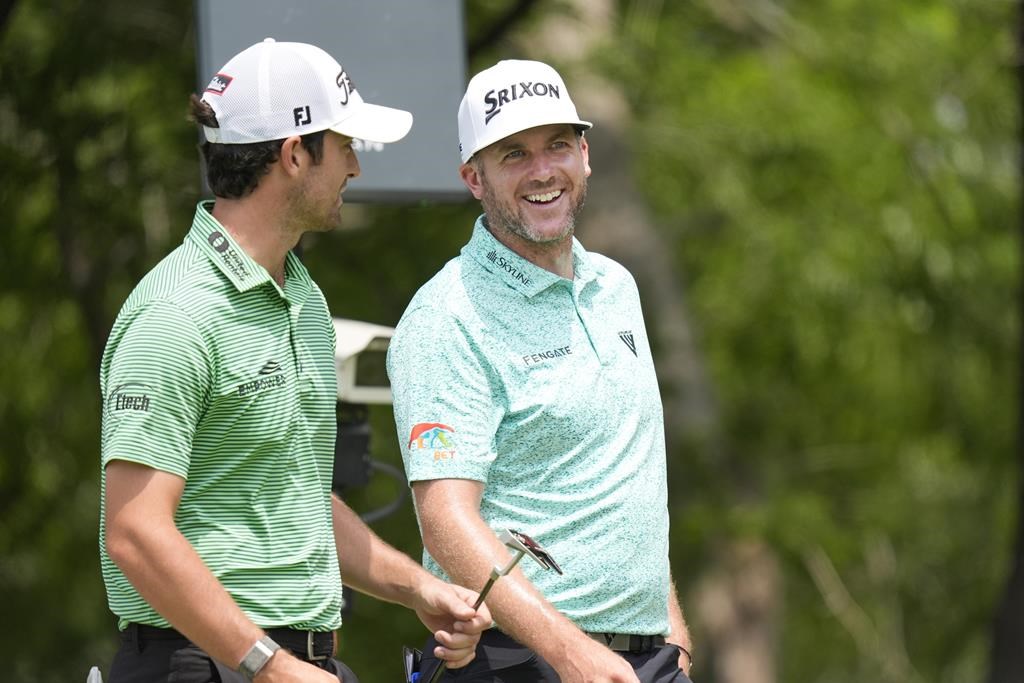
257	657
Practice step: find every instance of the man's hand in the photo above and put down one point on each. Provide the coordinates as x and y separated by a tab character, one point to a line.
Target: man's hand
285	668
587	661
447	610
684	663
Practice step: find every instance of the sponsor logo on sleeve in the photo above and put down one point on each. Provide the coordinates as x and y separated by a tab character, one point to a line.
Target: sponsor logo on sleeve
130	397
434	439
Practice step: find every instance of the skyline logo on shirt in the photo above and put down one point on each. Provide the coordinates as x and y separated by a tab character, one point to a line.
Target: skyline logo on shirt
627	338
432	438
507	266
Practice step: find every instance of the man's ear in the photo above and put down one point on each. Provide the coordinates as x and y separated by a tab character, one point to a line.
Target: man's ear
293	157
472	178
585	151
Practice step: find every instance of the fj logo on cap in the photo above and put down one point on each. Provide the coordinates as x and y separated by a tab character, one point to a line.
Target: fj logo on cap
218	84
496	99
302	117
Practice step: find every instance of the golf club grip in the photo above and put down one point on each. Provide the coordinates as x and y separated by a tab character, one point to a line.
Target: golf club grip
438	672
483	593
443	666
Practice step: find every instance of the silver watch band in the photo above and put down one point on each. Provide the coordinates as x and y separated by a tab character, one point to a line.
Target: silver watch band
257	657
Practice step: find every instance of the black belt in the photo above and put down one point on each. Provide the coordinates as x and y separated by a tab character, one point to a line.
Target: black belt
312	646
627	642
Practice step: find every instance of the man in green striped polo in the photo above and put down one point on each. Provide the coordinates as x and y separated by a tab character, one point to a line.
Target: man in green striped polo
525	396
222	547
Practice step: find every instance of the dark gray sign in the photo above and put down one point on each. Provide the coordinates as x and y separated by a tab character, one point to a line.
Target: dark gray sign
408	54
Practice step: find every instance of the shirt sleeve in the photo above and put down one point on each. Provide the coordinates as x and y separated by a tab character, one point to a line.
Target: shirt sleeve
445	411
157	385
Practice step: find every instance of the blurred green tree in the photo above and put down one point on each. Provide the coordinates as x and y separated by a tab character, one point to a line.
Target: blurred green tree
98	172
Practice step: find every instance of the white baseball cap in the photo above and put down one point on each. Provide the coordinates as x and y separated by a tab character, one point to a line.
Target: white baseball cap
273	90
510	97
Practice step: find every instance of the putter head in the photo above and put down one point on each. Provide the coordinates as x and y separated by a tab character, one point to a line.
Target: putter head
523	543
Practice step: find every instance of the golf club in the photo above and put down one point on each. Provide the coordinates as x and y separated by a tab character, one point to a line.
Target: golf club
520	544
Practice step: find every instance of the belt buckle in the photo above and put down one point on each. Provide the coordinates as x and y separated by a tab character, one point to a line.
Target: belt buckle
311	654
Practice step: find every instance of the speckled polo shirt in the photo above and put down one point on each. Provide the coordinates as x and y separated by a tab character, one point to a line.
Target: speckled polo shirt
215	374
544	389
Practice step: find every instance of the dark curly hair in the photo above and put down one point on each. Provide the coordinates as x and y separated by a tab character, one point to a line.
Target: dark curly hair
233	171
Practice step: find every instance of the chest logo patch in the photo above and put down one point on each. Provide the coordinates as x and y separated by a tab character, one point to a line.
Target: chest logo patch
627	338
432	438
540	357
270	376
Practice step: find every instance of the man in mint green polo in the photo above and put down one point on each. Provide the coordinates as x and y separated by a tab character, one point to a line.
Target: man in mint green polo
525	397
222	547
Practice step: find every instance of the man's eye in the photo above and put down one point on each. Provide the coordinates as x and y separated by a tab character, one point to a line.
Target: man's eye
514	154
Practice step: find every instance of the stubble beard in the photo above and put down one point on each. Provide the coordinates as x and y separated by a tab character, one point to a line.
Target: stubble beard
309	216
514	221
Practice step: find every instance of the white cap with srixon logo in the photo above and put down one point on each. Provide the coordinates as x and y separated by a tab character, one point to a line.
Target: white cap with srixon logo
510	97
272	90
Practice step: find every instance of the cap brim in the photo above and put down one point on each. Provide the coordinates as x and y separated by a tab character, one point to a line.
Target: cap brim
374	123
501	134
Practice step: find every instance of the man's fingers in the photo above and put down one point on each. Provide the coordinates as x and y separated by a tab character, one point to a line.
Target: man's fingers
475	626
456	602
456	641
454	658
483	617
457	649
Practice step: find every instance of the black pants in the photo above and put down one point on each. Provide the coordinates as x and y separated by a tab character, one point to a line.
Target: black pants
500	659
169	657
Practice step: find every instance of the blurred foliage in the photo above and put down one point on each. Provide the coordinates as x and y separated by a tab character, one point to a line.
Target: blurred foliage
838	182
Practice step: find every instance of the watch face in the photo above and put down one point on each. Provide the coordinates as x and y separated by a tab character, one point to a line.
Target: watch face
257	657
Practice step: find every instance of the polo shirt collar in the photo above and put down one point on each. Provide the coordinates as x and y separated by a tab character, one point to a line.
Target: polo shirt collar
516	271
214	240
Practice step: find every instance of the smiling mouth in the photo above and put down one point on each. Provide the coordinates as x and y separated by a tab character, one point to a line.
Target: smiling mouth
545	198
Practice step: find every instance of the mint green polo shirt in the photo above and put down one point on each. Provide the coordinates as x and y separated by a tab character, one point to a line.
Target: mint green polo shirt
544	389
215	374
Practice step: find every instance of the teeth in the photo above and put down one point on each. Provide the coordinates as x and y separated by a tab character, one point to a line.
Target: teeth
544	197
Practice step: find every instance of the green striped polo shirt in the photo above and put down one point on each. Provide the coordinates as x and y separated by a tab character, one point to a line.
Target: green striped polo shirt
544	389
214	373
